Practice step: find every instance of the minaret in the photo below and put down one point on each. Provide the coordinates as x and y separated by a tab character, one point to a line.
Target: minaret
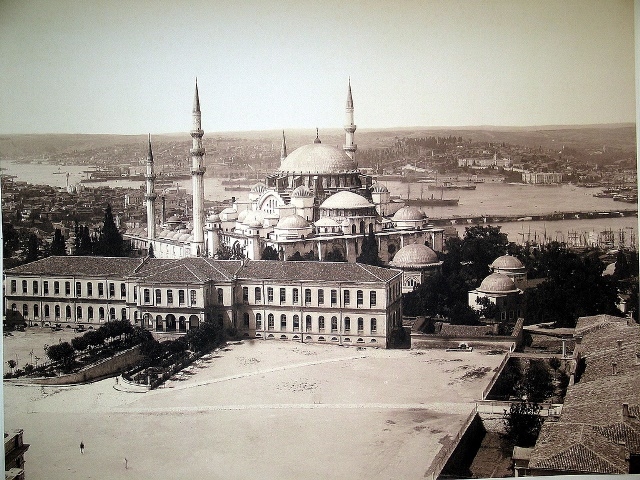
349	127
283	148
197	178
150	196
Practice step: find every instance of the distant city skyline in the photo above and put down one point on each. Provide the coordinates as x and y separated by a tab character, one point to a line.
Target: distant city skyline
129	68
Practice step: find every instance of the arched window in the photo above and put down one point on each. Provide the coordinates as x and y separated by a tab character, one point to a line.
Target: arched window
56	310
25	310
220	296
101	314
321	323
67	311
36	311
79	313
334	324
374	325
90	313
308	323
123	290
147	295
245	320
158	296
283	322
123	314
258	294
112	313
258	321
360	325
271	321
46	311
347	324
296	323
245	294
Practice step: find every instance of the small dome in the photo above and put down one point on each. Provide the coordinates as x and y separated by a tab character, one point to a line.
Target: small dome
242	215
326	222
173	219
415	255
184	237
346	200
259	188
228	210
318	158
302	191
253	218
213	217
292	222
379	188
409	213
497	283
507	262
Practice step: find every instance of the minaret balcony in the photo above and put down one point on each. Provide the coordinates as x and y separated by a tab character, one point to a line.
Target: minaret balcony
197	152
198	171
151	196
150	176
350	128
198	133
350	148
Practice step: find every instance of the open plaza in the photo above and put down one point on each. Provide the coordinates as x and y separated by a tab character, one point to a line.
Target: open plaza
254	409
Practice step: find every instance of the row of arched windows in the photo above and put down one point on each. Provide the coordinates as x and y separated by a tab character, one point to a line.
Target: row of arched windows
309	326
56	313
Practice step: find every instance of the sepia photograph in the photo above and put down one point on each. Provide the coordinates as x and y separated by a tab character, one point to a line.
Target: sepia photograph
319	240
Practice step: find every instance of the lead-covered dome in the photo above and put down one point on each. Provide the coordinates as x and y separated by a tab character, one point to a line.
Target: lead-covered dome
410	213
346	200
497	283
379	188
507	262
415	255
301	191
318	158
292	222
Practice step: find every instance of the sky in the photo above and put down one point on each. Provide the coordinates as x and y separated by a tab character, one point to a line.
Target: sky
129	67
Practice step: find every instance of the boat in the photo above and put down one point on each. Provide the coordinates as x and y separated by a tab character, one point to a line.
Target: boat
431	201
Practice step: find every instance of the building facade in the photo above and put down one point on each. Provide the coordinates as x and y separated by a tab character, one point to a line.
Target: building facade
340	303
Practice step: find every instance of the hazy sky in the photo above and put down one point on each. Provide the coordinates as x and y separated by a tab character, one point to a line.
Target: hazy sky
129	67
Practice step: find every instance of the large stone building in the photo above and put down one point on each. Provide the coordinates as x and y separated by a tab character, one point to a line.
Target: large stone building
341	303
318	203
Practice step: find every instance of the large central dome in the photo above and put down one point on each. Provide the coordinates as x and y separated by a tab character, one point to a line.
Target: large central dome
318	158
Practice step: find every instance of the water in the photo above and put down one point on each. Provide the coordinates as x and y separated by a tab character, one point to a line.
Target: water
493	198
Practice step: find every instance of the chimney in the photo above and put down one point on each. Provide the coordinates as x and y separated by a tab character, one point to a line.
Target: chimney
625	410
614	367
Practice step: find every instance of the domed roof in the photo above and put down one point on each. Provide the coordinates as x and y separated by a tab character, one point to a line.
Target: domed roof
292	221
253	218
242	215
507	262
414	255
184	237
379	188
346	200
173	219
409	213
302	191
213	217
259	188
318	158
326	222
497	283
228	210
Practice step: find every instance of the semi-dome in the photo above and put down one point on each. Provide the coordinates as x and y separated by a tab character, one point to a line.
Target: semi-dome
242	215
409	213
346	200
318	158
507	262
497	283
379	188
292	222
302	191
415	255
259	188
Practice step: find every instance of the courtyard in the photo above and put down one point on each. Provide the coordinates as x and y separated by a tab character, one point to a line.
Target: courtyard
254	409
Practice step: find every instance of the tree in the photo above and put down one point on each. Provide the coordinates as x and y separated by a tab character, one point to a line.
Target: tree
269	253
481	245
334	256
296	257
622	269
151	254
523	423
61	352
10	239
12	364
369	252
537	382
58	246
110	242
489	309
33	248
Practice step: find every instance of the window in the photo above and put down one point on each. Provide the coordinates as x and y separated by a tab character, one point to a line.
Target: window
123	290
67	311
296	323
359	298
135	293
307	295
101	290
307	323
24	286
283	322
181	297
112	289
170	297
46	311
147	296
78	289
35	287
258	294
374	325
56	288
270	321
283	295
347	297
45	287
245	294
123	314
158	296
334	297
270	294
220	296
192	297
347	324
245	320
321	323
14	286
36	311
56	310
295	295
320	297
258	321
25	310
372	298
67	288
89	289
101	313
79	313
503	315
334	324
90	313
112	313
360	325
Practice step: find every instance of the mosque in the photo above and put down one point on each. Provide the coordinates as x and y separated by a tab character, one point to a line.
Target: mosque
318	205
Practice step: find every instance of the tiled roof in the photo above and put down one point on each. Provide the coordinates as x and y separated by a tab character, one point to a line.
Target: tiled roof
318	271
188	270
577	459
70	266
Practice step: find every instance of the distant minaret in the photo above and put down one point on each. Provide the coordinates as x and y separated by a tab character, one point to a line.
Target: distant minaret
283	148
349	127
150	196
197	177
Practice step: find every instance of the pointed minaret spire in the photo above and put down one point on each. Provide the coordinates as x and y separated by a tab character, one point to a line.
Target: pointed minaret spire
149	152
196	99
150	195
317	140
349	146
283	148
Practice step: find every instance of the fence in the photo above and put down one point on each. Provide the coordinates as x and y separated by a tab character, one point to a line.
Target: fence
498	407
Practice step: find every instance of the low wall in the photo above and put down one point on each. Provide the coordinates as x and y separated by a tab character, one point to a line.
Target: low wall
426	340
116	364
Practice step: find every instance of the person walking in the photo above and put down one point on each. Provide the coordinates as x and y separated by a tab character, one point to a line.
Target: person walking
82	447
